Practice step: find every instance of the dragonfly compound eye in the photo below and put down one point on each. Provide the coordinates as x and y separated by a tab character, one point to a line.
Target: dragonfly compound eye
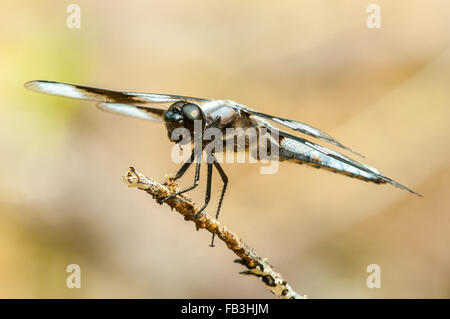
191	113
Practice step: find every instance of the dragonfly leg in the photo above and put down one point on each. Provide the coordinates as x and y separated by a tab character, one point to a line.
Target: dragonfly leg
224	188
185	166
208	190
181	173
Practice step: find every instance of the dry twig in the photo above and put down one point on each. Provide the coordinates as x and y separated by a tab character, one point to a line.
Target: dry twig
256	265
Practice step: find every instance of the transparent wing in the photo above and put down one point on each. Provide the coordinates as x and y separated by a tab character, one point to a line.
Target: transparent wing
102	95
142	112
301	127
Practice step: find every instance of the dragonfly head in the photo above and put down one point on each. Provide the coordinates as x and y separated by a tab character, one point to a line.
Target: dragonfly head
182	114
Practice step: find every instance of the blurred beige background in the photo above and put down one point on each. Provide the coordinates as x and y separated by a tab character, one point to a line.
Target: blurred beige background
383	92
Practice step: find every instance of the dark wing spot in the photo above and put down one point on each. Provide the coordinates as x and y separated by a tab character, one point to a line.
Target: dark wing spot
113	96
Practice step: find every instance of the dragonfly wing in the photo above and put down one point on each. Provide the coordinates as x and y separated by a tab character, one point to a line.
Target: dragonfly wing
109	96
142	112
297	149
303	128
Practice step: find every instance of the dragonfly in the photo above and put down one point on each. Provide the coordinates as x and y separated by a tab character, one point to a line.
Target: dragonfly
177	111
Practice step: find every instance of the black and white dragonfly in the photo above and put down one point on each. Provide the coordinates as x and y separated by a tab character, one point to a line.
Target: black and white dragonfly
177	111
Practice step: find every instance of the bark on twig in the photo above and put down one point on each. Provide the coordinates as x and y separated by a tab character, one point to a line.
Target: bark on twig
256	265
